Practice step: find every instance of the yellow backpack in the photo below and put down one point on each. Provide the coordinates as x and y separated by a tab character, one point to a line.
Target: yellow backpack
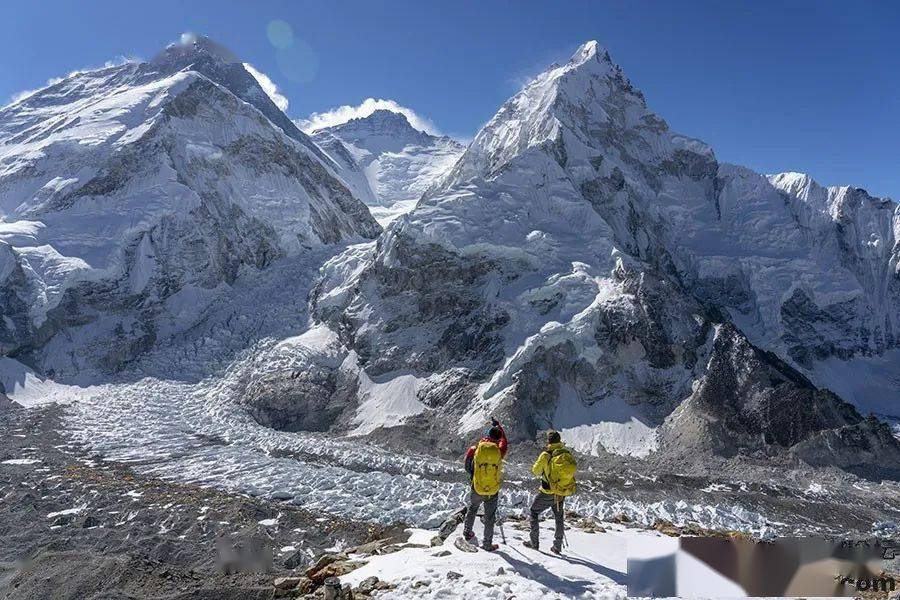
488	466
561	472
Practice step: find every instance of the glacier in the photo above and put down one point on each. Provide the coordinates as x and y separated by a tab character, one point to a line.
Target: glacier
212	291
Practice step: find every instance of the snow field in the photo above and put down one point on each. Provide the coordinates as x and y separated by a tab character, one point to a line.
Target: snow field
593	565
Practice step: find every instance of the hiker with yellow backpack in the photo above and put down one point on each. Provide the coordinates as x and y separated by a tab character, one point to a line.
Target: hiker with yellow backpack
556	467
484	464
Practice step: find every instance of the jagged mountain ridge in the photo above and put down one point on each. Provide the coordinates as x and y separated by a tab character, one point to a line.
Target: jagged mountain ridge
578	268
581	266
135	190
398	162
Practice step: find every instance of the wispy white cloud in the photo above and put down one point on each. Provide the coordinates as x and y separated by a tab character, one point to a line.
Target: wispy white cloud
18	97
342	114
268	86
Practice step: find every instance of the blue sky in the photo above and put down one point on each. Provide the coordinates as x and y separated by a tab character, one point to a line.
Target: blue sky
805	86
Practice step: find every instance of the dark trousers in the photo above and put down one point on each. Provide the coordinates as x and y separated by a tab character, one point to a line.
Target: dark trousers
541	503
490	515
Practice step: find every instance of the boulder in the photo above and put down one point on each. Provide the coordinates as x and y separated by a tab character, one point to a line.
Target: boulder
295	559
323	561
90	521
335	569
369	548
286	583
368	585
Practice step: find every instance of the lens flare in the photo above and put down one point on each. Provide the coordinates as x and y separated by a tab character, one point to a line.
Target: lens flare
280	34
298	62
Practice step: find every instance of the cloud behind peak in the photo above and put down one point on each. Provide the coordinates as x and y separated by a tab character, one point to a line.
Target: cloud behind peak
342	114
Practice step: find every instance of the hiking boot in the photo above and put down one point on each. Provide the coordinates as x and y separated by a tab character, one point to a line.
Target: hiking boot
468	535
528	544
490	548
556	549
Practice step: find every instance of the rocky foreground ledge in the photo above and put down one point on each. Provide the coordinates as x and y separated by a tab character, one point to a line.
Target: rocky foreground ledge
345	575
74	527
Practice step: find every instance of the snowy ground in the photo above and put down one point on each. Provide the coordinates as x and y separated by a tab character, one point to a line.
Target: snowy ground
385	215
592	566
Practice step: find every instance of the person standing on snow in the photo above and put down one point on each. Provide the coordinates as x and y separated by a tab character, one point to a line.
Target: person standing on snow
484	464
556	467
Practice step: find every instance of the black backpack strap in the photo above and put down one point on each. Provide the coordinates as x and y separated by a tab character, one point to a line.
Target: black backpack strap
549	467
470	462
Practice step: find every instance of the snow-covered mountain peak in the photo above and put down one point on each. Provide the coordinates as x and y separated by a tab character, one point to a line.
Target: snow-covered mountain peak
580	253
585	108
144	180
192	47
390	130
387	161
383	120
797	184
590	51
810	191
213	61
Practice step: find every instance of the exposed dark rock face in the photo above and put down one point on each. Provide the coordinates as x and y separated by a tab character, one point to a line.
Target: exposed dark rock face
15	294
751	402
867	448
428	288
815	333
5	403
307	400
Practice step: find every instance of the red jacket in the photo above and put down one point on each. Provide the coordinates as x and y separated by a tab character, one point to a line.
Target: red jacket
503	444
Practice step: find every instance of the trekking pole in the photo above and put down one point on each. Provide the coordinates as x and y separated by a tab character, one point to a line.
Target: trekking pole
502	533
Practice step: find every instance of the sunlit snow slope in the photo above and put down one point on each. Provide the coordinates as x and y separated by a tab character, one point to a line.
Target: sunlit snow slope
398	162
134	191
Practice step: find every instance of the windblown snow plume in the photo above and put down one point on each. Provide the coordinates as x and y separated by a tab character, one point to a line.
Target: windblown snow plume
268	86
19	96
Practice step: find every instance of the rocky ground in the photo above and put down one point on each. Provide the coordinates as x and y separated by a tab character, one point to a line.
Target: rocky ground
75	526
